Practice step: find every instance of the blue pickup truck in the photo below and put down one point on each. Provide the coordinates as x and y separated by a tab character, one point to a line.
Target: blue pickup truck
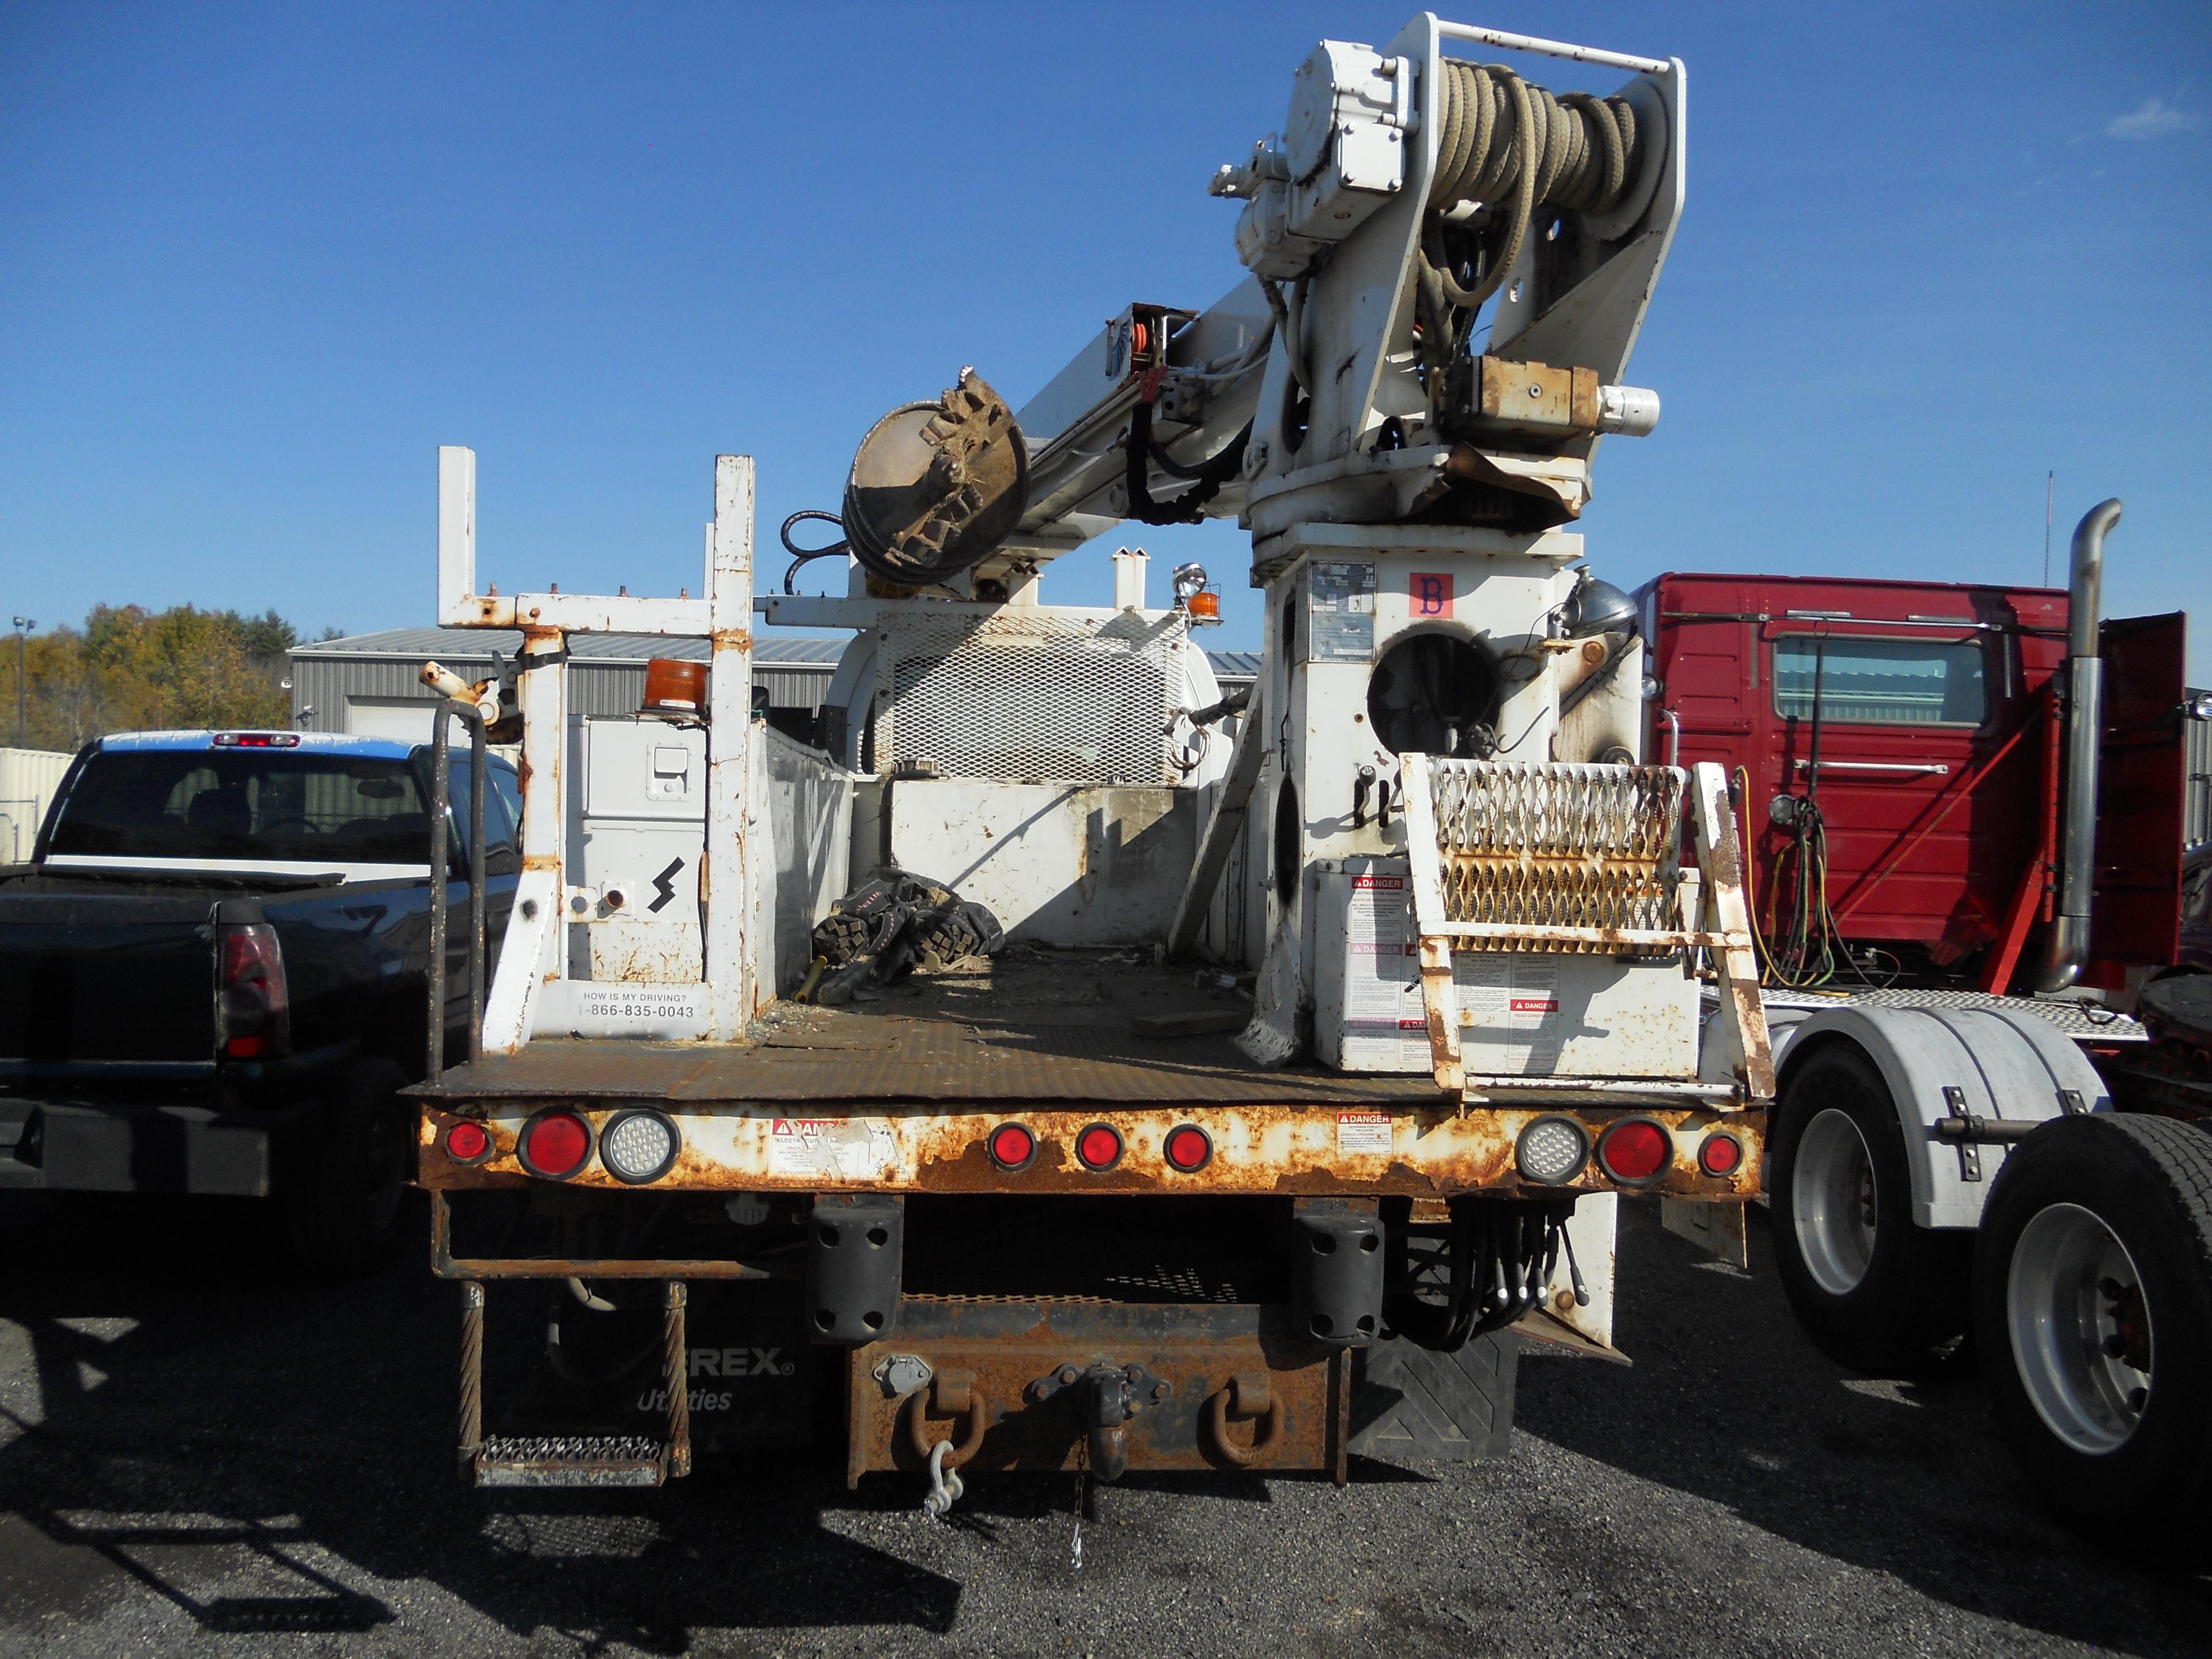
213	974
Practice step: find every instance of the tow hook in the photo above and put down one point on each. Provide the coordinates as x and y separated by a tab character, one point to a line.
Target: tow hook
1110	1397
1249	1397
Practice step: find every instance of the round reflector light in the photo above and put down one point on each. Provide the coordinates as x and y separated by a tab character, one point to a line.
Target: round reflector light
1099	1146
554	1143
467	1142
1188	1148
1635	1151
1551	1150
639	1146
1012	1146
1720	1154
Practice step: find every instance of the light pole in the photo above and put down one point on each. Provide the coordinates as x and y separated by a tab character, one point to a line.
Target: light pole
23	627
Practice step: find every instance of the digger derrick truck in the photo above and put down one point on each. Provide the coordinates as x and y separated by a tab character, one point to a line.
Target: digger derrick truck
1082	1204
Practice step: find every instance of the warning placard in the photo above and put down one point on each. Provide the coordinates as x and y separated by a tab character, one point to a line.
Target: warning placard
1362	1132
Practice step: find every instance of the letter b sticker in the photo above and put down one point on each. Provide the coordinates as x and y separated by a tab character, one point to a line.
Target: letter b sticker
1428	594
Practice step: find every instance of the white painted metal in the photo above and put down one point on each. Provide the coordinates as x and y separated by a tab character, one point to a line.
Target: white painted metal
1058	864
1130	564
727	879
2006	1062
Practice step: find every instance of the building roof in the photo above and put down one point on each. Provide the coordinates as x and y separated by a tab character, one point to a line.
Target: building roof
476	645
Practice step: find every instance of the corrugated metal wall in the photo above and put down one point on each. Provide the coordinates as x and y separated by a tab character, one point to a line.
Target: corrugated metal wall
326	684
28	778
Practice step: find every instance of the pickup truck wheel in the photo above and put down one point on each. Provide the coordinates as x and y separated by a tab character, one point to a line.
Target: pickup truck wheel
1872	1290
2093	1305
345	1214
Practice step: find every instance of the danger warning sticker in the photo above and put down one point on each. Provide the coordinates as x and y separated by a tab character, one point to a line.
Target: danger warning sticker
851	1149
1362	1132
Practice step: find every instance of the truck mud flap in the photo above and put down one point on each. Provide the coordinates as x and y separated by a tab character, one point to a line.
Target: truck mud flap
1409	1401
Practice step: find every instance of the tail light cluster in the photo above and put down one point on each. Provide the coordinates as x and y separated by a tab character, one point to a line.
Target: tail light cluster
636	1146
253	1007
1098	1147
1632	1151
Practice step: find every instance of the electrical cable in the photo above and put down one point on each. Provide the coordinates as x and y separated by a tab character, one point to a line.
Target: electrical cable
804	556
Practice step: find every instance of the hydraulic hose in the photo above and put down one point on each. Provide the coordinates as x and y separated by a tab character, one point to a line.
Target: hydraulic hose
1513	146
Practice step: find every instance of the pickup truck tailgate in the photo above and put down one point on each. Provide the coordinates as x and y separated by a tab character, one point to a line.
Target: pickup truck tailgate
120	973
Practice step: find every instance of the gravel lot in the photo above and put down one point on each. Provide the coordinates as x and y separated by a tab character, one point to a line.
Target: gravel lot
198	1453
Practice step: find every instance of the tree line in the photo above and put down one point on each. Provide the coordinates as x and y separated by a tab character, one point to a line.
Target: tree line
130	669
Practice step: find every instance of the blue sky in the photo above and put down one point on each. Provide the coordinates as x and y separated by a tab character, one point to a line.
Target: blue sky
256	262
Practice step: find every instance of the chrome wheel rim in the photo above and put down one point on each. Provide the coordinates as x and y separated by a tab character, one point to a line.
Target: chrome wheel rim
1832	1202
2081	1328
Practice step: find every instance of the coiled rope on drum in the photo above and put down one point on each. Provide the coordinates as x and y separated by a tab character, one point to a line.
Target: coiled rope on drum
1512	146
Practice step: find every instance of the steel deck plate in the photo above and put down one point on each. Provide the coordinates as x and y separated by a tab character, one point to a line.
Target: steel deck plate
2083	1021
1032	1026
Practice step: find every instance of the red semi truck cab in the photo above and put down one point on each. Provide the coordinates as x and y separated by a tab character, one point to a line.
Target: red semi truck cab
1921	719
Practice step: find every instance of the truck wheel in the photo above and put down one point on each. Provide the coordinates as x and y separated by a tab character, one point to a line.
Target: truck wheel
1872	1290
2092	1307
344	1212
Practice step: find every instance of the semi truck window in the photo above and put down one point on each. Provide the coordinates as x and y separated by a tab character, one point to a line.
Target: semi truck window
1882	682
278	805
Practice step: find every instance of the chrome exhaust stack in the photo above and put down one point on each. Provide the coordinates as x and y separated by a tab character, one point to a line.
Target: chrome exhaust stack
2067	946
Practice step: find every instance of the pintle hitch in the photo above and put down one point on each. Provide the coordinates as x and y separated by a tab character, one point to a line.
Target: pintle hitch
1109	1397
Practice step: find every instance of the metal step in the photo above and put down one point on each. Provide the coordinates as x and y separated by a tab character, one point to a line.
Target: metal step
573	1460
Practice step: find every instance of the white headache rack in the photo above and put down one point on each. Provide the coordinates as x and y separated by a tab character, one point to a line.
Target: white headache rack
1517	866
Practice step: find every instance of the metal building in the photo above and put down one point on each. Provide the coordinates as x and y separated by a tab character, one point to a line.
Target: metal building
368	683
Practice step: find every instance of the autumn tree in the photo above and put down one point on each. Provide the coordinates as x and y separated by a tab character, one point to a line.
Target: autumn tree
131	669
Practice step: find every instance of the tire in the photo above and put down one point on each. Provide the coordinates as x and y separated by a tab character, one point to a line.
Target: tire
1874	1291
2119	1442
345	1209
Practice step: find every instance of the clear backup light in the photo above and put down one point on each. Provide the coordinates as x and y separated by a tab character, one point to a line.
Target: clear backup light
1551	1150
639	1146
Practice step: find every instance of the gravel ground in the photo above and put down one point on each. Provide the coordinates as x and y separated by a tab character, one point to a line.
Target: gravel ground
197	1454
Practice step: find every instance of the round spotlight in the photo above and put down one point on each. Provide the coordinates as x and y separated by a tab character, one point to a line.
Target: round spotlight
554	1143
467	1143
1636	1150
1720	1153
1099	1147
1011	1147
1551	1150
639	1146
1188	1148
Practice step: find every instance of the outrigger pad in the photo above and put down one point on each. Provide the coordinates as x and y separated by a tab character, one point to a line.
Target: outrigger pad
1410	1401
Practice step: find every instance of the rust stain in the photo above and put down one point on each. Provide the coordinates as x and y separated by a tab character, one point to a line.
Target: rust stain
1036	1430
732	639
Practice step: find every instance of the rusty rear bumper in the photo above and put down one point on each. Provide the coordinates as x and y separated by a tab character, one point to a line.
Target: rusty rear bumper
1424	1151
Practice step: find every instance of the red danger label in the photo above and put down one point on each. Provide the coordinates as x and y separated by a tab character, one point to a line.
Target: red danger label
1535	1004
1378	884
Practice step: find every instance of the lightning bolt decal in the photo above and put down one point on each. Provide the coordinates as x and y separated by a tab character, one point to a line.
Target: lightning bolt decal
665	885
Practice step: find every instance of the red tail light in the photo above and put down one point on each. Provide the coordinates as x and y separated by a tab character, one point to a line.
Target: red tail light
1099	1146
252	1009
1012	1146
1635	1151
555	1143
1721	1154
466	1142
1188	1148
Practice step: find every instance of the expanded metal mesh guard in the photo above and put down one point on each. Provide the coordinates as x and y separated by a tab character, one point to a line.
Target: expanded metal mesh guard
1550	846
1048	699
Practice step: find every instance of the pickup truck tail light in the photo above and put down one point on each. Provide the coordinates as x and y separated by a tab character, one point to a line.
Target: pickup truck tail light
252	1011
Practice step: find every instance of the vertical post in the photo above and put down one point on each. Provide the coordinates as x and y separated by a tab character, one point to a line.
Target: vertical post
1720	856
726	879
457	533
441	796
542	693
1425	858
479	783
